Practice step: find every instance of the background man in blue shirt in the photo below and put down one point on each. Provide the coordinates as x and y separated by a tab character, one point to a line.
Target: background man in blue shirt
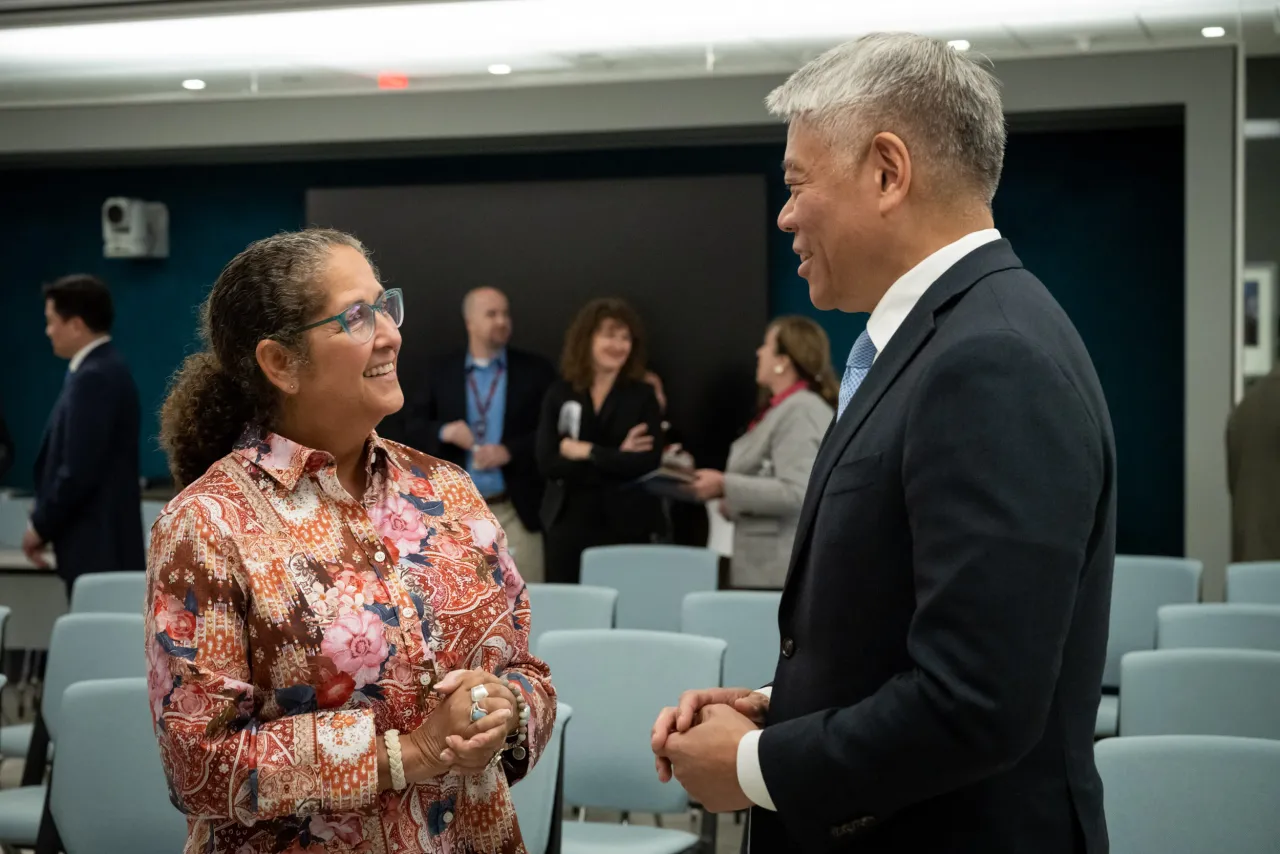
480	410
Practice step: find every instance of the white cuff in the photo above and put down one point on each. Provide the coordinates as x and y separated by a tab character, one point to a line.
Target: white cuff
766	690
750	777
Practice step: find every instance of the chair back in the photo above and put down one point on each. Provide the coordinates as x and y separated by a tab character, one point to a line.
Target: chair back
618	680
537	797
747	621
1218	626
151	511
651	581
109	593
1232	692
1139	587
14	516
569	606
1257	583
1188	794
108	793
89	646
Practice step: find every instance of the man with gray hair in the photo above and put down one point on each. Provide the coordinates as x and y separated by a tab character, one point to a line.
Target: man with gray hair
944	620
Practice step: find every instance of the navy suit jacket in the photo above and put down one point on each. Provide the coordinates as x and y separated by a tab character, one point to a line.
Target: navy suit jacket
88	499
944	620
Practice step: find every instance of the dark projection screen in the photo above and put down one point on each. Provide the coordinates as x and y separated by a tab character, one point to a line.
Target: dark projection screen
688	252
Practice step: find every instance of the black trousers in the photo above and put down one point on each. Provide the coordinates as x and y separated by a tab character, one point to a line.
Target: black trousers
581	524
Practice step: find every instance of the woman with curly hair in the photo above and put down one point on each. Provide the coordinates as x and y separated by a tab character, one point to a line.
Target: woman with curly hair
337	637
600	429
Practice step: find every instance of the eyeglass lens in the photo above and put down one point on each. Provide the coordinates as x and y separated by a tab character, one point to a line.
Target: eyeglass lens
361	317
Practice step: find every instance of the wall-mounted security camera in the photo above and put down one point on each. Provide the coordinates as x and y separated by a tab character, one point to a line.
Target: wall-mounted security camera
132	228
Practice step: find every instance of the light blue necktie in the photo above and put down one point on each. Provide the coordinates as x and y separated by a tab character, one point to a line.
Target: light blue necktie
855	370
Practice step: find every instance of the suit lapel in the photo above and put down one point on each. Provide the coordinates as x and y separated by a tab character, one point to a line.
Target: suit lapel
915	331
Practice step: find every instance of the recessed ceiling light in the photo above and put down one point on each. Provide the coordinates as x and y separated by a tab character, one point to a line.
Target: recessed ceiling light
193	84
1213	32
499	68
959	44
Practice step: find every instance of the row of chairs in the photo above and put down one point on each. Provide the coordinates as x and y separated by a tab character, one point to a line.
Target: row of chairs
1142	586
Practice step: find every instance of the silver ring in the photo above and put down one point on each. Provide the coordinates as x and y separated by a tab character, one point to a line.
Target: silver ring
478	693
477	713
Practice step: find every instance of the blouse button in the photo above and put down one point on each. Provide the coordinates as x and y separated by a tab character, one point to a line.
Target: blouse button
408	612
448	818
425	679
379	556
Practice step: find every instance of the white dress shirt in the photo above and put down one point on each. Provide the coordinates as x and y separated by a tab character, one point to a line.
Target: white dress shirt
78	359
888	315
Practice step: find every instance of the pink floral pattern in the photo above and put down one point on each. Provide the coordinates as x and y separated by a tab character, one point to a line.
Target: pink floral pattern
356	644
400	522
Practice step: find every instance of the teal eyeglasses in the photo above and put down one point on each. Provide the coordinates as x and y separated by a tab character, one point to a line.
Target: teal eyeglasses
361	319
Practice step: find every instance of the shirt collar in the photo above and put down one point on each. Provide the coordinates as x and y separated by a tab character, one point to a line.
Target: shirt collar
500	359
286	462
795	388
78	359
903	294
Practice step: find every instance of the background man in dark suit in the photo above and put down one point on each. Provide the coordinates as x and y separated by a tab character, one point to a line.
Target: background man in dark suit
1253	471
480	410
944	621
88	503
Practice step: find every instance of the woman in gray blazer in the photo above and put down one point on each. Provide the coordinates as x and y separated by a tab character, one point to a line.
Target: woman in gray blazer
764	481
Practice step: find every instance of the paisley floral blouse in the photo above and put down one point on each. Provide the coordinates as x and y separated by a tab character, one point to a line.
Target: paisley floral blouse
288	625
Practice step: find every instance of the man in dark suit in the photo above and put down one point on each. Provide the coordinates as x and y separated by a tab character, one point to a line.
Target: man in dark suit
944	620
88	502
1253	471
480	410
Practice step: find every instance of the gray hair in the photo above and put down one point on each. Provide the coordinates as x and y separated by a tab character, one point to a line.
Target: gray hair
939	100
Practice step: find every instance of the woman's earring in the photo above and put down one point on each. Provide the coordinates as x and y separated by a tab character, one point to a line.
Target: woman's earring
777	369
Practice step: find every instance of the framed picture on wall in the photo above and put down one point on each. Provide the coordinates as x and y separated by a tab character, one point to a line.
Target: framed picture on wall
1256	320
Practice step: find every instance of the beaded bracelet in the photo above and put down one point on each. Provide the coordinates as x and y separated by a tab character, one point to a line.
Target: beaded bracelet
517	740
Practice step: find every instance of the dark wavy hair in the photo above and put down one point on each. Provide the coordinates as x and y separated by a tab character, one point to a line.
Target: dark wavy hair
268	291
576	364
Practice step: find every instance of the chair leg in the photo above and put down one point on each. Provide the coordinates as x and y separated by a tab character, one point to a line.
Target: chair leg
710	827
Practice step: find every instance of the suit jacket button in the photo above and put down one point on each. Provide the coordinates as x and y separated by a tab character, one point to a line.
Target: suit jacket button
788	647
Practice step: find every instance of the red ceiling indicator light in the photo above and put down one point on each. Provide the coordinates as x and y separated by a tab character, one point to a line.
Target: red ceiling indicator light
392	80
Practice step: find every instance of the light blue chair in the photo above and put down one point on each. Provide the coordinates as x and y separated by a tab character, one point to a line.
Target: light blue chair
109	593
106	737
14	516
151	511
618	681
1218	626
83	646
569	606
651	581
747	621
1139	587
1256	583
537	797
1232	692
1190	794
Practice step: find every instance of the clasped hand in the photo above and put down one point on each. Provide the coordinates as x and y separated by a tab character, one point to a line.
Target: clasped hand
697	743
449	740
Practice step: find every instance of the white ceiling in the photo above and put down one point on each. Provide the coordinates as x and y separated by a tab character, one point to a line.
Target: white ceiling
434	45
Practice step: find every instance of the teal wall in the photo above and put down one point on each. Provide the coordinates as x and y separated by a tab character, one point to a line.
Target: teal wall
1110	250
